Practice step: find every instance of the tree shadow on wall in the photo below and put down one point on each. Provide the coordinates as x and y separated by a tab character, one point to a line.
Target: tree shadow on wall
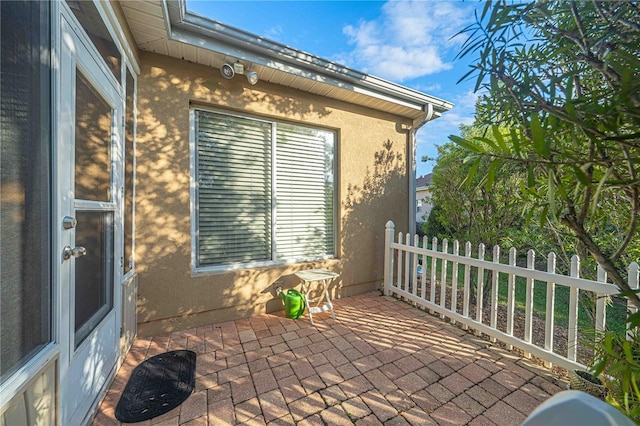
163	231
382	196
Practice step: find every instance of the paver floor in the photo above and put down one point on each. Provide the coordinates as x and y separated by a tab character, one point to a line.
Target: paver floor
381	361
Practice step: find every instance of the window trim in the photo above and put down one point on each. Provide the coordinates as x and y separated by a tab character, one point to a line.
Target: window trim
193	201
128	68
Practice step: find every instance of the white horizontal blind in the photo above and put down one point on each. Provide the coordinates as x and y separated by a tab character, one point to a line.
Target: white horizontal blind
305	194
233	190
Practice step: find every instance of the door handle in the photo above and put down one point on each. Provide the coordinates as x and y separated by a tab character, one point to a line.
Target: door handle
76	252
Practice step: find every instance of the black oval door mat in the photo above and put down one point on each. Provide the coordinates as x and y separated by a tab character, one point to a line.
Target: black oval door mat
157	386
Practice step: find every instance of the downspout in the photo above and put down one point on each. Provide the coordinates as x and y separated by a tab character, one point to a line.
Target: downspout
416	125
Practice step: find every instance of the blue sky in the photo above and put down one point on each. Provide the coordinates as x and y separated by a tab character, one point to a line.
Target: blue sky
408	42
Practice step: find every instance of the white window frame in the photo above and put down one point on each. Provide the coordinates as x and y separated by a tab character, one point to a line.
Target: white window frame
128	68
193	179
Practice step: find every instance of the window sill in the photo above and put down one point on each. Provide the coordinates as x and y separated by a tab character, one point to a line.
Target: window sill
223	269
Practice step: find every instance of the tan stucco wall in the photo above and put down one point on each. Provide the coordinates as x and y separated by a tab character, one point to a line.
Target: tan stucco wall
372	188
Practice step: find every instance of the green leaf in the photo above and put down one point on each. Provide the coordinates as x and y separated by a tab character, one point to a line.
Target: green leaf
551	194
497	135
472	172
596	195
581	176
543	215
466	144
626	347
491	173
537	135
531	179
515	140
571	110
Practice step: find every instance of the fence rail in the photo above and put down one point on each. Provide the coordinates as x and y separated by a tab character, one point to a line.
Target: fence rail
411	272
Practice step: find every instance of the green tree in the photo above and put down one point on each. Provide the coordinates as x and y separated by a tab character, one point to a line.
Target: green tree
468	210
564	78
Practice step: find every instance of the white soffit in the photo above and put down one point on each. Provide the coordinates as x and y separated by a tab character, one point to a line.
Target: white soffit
167	28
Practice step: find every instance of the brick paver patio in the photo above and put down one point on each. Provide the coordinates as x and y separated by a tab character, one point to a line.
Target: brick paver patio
381	362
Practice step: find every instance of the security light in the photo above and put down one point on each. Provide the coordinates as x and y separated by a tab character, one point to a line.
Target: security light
227	71
252	77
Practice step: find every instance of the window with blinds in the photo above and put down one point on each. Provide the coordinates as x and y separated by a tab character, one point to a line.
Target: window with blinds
264	191
304	215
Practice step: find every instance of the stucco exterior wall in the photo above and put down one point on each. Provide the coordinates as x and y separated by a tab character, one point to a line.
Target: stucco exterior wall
372	188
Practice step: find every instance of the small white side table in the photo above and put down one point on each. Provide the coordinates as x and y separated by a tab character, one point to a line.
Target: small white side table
323	276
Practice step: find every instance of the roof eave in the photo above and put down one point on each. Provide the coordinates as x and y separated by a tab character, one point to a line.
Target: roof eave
197	30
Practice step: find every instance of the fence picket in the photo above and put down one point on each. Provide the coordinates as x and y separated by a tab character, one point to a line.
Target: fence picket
399	277
454	280
634	284
528	309
572	343
414	267
511	293
423	277
407	264
434	264
601	303
443	276
467	282
494	290
550	307
480	285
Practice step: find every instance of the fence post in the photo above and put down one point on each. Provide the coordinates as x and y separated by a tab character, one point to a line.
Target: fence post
388	258
634	284
494	290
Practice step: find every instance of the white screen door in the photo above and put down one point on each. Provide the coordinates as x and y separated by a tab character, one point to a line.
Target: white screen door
89	224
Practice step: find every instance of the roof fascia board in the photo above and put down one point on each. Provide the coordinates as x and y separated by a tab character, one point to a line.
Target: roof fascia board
199	31
178	34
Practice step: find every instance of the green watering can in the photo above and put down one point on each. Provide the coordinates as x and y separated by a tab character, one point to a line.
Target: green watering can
293	303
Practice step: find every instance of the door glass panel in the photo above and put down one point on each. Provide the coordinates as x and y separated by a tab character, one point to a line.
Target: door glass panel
94	271
93	143
90	19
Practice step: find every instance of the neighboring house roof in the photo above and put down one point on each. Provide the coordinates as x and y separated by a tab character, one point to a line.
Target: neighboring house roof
168	28
422	182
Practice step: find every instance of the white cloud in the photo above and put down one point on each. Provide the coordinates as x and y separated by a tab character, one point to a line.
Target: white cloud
410	39
467	100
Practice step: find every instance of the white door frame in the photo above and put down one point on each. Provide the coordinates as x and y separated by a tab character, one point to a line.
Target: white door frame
85	371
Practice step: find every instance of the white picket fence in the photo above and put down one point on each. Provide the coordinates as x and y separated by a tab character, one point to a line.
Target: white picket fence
402	278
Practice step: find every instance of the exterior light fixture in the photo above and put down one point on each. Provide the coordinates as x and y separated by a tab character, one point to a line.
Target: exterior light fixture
252	77
227	71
